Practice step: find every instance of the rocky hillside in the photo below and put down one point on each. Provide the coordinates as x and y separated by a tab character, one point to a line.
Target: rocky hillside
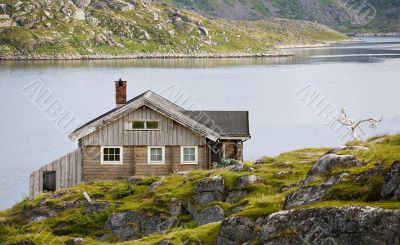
107	28
342	15
345	195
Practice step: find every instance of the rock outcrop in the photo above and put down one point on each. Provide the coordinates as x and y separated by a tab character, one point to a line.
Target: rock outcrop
210	190
330	160
330	225
206	214
235	230
391	186
340	225
246	181
310	195
133	225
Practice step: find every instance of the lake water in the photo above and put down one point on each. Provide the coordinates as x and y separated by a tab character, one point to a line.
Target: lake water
364	77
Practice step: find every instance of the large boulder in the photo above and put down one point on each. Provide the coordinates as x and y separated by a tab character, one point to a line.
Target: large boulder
207	214
309	195
235	230
330	160
391	185
133	225
331	225
209	190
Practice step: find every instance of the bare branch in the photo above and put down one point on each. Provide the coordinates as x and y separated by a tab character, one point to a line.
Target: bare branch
356	130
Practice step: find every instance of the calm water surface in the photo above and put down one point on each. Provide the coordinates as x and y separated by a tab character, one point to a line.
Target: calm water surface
363	76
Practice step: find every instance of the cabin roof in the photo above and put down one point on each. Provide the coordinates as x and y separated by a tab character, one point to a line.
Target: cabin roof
227	123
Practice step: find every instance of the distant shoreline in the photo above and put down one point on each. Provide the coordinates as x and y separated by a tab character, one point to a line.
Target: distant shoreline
390	34
142	56
317	45
280	52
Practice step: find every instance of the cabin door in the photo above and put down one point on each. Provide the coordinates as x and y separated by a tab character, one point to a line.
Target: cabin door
216	152
49	181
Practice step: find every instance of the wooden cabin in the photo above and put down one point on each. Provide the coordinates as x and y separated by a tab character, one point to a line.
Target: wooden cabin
147	135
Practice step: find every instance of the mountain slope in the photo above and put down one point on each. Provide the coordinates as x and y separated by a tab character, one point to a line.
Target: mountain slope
342	15
187	209
61	28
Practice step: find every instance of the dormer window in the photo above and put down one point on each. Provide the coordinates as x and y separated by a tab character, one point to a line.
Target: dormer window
144	125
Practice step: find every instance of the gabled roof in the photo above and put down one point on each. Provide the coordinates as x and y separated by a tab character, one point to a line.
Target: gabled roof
229	123
226	123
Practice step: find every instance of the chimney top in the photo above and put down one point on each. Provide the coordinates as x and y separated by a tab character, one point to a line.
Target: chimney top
120	93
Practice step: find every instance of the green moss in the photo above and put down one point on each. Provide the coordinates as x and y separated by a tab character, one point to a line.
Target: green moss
280	175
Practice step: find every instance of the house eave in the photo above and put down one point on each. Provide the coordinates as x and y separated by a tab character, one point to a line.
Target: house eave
242	138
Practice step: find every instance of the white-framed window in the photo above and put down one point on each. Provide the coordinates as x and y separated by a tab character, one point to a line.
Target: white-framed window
143	125
156	154
189	155
111	155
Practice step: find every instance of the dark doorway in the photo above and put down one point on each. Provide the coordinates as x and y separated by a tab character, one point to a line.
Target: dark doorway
49	181
216	152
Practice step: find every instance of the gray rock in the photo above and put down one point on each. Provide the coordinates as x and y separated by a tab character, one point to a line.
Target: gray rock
246	181
72	204
154	185
135	180
169	223
209	190
236	168
330	160
79	15
74	241
237	209
203	31
309	195
347	148
41	212
133	225
175	207
6	21
121	5
207	214
97	207
3	8
235	196
235	230
391	185
23	242
332	225
81	3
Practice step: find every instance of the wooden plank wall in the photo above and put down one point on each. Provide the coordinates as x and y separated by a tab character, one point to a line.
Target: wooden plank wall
68	173
170	133
135	163
94	170
172	161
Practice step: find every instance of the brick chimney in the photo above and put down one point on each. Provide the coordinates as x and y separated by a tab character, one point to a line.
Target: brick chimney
120	92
